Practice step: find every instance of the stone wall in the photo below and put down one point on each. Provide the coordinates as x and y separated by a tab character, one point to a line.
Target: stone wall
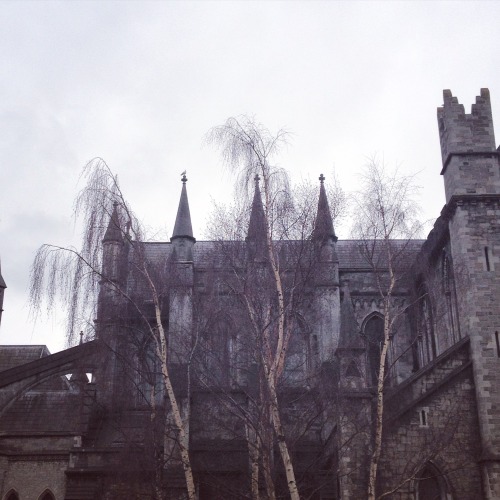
33	475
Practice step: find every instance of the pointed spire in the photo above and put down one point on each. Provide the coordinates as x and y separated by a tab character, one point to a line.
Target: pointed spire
114	231
257	224
349	337
183	228
323	226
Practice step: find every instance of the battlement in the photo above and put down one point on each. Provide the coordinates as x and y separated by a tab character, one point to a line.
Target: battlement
465	133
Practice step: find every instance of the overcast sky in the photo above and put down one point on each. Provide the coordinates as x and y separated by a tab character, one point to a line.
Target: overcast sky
139	84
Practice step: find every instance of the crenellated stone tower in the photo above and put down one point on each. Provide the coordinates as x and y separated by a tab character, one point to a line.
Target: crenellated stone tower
472	184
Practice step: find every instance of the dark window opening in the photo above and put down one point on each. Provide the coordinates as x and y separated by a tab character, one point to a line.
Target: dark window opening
431	484
47	495
426	328
423	418
487	258
497	340
374	334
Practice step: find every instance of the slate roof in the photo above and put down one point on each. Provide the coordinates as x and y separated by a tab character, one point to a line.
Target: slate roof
15	355
348	251
52	412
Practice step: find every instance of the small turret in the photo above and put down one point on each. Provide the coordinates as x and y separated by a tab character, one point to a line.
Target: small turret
323	234
257	226
325	242
468	150
3	286
323	226
112	247
182	237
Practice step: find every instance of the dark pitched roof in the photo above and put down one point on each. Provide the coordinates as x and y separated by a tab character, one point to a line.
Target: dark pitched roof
360	255
41	412
15	355
352	254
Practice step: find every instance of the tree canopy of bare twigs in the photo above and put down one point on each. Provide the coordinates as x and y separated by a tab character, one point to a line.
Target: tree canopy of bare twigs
274	294
70	276
386	211
75	277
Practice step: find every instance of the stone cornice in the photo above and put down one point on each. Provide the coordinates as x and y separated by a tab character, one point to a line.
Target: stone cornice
446	162
458	200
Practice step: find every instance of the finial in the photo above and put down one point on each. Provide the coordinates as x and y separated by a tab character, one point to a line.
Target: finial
81	337
184	178
256	178
321	178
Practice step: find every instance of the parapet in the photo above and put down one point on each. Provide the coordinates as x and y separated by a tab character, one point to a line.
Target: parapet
465	133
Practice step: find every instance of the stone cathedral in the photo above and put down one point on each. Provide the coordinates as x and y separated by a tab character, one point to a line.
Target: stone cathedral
93	421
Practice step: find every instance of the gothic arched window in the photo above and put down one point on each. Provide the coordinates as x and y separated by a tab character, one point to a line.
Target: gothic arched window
450	294
430	484
216	348
149	383
299	356
426	327
12	495
47	495
374	335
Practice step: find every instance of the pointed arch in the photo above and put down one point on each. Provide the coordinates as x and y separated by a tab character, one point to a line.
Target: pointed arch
373	332
217	349
428	341
47	495
12	494
450	294
146	374
431	484
299	359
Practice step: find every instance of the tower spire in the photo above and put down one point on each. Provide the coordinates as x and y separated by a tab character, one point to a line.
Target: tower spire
323	226
257	232
183	228
114	231
257	224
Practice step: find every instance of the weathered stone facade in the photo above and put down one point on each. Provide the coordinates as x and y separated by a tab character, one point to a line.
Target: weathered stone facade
76	438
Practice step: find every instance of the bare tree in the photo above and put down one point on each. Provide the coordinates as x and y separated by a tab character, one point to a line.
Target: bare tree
78	276
269	279
248	149
385	225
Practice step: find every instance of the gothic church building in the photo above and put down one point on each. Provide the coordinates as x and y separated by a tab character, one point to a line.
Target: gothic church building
82	424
